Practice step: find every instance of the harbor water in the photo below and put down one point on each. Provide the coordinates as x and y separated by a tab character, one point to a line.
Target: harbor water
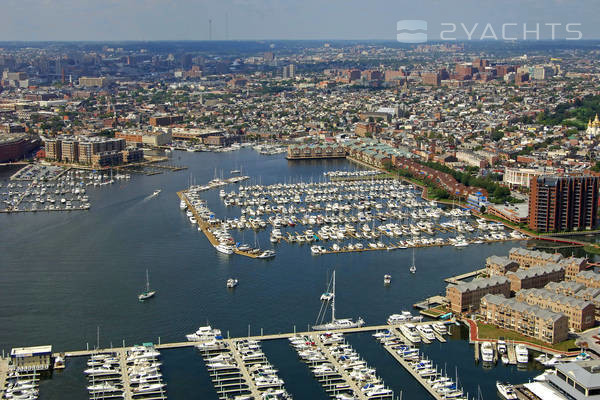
66	275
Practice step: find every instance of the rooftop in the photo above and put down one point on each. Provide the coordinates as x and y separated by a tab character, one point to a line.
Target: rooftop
522	307
30	351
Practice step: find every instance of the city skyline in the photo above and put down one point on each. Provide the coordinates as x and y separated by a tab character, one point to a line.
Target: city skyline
148	20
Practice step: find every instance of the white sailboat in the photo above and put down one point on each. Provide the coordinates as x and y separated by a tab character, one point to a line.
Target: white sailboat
146	294
413	267
337	323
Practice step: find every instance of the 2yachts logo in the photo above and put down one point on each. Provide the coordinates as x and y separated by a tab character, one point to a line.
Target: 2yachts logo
415	31
411	31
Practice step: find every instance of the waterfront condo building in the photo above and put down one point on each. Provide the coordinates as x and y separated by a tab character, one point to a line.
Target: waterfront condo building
563	203
573	266
499	266
581	313
535	277
590	279
532	258
566	288
525	319
465	297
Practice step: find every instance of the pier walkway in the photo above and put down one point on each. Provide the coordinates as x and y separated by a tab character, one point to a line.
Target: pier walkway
232	345
3	374
204	226
127	394
340	368
407	367
276	336
472	274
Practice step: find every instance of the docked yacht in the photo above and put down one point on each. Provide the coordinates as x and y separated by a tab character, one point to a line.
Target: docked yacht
336	323
440	328
410	332
224	248
203	333
426	332
506	390
487	352
522	354
266	254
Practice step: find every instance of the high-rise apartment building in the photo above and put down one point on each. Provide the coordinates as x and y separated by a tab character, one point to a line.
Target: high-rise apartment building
289	71
563	203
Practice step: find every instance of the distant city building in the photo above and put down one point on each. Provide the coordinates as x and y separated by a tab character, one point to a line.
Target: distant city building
85	81
165	120
94	151
593	127
153	138
312	151
14	147
563	203
289	71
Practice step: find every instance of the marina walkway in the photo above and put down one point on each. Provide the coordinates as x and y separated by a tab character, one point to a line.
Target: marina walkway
276	336
457	278
407	367
204	226
340	368
122	354
3	373
243	368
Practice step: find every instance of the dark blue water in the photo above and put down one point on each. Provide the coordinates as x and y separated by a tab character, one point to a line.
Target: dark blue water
65	274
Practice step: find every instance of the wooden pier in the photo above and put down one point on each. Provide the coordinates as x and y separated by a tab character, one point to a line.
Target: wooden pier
407	367
275	336
512	355
457	278
243	368
204	226
339	368
3	374
127	394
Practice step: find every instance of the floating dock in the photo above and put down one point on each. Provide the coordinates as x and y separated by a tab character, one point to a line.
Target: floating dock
407	367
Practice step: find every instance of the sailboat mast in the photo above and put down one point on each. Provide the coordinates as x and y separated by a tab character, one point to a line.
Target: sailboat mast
333	302
147	282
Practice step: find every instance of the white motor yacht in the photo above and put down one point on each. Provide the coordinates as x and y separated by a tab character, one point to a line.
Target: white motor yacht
506	390
410	332
522	354
487	352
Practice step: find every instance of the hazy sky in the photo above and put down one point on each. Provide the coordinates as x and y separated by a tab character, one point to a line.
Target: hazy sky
286	19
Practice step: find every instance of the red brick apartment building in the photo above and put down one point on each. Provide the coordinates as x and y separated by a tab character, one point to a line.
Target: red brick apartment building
563	203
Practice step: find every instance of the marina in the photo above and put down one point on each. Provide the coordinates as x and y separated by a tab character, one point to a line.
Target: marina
130	374
52	189
357	216
295	272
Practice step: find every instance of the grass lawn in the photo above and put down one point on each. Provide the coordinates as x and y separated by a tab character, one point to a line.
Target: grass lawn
437	311
492	332
592	249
